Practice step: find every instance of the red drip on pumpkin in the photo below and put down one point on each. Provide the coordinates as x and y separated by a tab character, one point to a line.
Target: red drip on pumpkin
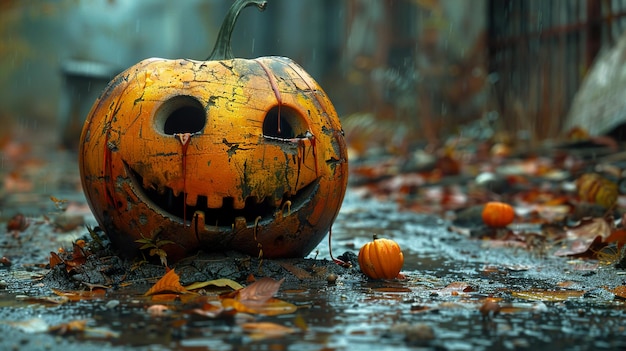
274	86
330	250
313	144
108	166
184	139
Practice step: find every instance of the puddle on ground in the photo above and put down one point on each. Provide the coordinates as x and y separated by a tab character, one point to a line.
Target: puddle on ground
437	306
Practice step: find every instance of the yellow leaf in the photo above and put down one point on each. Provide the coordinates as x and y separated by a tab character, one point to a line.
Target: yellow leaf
261	330
271	307
223	282
547	295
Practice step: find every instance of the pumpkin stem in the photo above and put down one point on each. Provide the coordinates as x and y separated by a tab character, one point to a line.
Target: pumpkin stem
375	236
222	49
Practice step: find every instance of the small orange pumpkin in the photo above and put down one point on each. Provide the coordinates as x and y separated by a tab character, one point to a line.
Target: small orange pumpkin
594	188
222	154
498	214
381	258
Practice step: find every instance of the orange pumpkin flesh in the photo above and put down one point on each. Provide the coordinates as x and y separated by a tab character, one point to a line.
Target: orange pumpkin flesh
381	258
498	214
221	154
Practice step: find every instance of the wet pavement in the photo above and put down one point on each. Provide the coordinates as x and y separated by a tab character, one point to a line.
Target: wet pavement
458	293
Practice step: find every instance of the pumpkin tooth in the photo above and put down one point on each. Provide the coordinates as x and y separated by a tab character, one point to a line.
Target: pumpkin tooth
239	203
191	199
214	201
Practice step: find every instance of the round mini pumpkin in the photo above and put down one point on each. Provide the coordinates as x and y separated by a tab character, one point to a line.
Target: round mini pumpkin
381	258
498	214
222	154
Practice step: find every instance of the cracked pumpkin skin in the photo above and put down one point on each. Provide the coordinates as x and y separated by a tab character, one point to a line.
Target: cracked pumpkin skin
224	154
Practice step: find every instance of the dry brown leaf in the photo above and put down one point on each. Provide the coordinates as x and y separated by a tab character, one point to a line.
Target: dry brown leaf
490	307
296	271
55	259
211	309
581	248
586	237
590	228
456	288
619	291
617	236
169	283
260	291
71	327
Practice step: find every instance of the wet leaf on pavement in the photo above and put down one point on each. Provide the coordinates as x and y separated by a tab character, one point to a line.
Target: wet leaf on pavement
548	295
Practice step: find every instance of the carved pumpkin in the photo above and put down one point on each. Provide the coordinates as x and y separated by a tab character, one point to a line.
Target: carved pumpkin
381	258
228	153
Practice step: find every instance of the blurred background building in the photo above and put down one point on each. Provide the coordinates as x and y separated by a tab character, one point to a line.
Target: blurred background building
398	71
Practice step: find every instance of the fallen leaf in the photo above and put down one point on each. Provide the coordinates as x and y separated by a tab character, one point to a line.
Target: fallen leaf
223	282
457	287
581	248
211	309
169	283
617	236
589	229
72	327
54	300
490	307
261	330
300	322
18	223
586	238
296	271
547	295
619	291
260	291
55	259
80	295
271	307
158	310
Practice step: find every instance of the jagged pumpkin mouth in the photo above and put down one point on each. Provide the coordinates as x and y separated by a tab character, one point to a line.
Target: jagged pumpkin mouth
254	212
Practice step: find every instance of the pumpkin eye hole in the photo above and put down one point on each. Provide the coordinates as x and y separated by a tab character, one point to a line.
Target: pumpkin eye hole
292	124
180	114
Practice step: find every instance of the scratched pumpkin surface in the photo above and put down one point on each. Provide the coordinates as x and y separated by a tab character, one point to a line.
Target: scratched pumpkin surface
243	154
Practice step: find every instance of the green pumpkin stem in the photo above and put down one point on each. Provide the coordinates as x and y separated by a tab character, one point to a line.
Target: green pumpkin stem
222	49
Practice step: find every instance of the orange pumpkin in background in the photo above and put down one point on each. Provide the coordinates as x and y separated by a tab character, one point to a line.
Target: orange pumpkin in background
227	153
498	214
381	258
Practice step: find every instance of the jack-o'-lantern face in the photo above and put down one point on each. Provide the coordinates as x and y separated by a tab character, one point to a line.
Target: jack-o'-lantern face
228	154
